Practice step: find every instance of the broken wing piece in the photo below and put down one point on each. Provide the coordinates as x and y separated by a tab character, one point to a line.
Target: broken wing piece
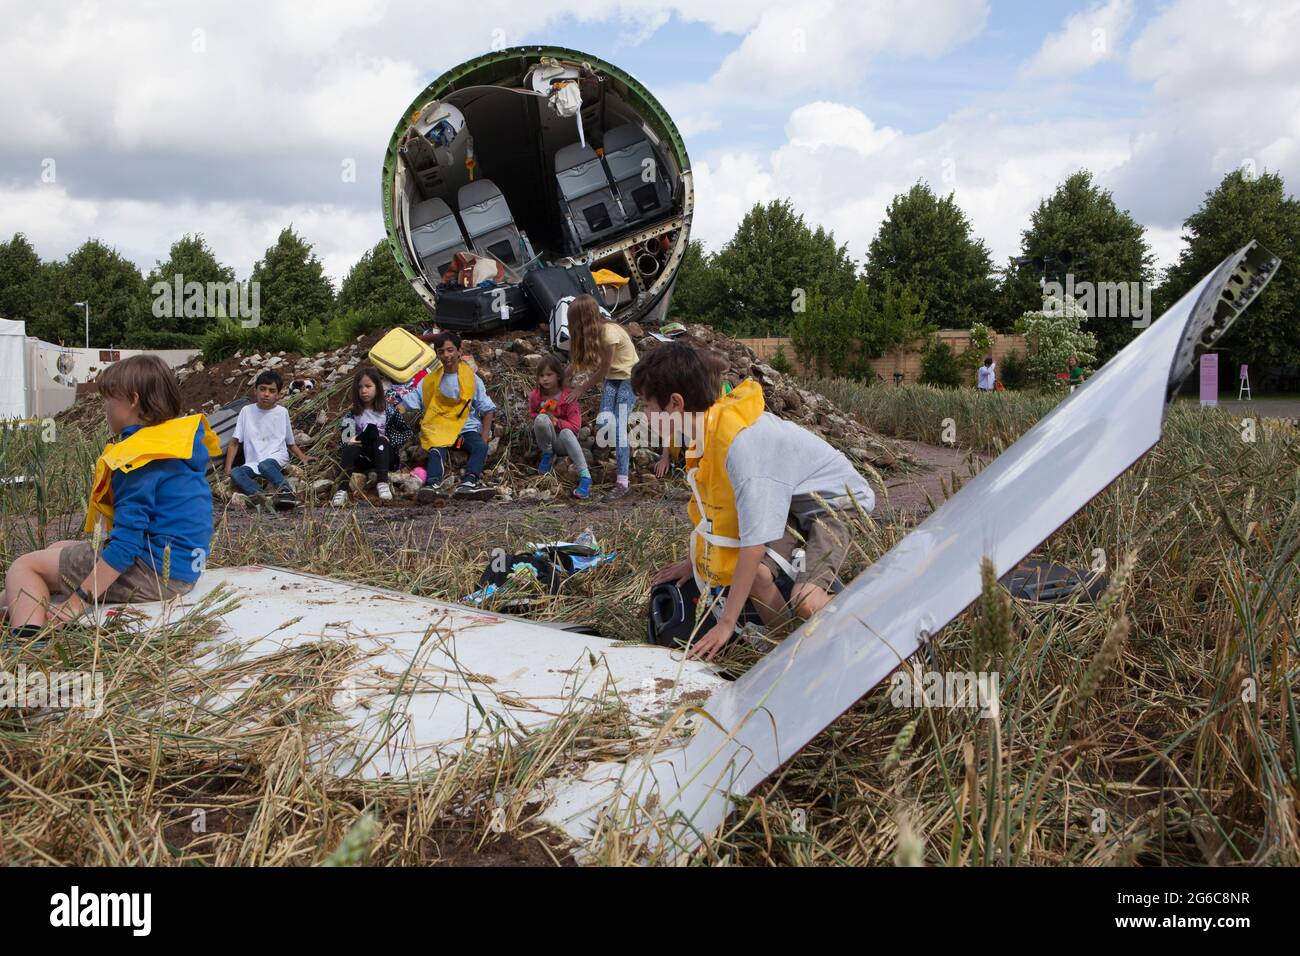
762	720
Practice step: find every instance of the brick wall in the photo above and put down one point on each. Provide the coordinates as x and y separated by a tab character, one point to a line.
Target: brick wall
909	363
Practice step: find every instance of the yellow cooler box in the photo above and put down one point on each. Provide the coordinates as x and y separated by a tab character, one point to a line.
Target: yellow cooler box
399	355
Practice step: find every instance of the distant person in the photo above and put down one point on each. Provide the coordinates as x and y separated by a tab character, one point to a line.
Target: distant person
1076	373
557	419
761	488
456	412
374	433
987	375
264	432
150	492
603	349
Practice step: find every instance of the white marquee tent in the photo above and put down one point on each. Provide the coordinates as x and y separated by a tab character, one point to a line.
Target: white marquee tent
13	369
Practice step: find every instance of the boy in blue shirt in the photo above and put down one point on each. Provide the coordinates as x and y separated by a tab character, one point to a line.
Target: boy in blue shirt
150	494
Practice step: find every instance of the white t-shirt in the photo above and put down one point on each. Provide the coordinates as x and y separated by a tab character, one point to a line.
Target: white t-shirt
987	376
777	468
264	434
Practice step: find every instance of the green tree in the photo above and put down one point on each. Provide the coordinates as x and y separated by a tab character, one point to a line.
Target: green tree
697	295
899	320
841	336
292	284
1054	334
770	270
925	243
376	281
1107	243
1240	209
20	273
831	334
191	260
939	367
97	274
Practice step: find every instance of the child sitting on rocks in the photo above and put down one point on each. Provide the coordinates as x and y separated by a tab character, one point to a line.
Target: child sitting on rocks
373	435
556	421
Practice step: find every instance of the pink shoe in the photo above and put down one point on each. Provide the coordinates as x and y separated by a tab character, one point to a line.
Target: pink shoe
419	473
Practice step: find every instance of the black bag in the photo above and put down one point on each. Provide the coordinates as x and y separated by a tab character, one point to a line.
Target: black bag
670	618
483	310
546	287
1037	580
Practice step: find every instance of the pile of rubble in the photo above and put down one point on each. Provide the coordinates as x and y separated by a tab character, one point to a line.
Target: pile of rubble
507	363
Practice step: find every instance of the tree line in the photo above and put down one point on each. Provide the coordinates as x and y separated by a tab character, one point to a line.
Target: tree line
926	269
293	291
777	276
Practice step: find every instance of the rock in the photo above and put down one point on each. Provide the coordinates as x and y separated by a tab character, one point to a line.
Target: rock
231	380
199	366
520	346
634	329
532	360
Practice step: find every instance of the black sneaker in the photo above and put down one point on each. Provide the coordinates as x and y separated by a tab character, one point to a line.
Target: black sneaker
617	492
473	489
430	494
286	500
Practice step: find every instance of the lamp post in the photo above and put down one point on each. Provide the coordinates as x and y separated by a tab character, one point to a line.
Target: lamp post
87	306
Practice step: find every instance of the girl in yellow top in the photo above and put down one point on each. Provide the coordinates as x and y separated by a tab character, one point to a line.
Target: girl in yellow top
604	350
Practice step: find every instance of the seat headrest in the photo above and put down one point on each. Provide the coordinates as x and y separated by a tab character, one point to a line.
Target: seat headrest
620	137
430	210
572	155
480	190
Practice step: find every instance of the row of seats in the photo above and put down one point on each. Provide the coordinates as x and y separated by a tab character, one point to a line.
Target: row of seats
599	196
603	195
489	228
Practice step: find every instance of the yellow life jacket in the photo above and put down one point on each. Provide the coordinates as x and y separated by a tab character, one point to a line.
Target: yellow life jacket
715	541
173	438
445	417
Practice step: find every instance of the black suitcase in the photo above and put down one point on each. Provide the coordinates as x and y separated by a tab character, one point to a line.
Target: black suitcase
483	310
545	287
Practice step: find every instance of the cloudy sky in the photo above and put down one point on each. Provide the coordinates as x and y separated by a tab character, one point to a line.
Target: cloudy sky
136	123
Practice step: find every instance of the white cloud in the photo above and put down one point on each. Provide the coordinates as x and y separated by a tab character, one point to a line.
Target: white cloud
1225	84
1087	39
841	172
56	223
238	130
834	125
819	44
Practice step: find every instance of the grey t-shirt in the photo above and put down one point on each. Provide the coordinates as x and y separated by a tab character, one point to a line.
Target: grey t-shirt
777	467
